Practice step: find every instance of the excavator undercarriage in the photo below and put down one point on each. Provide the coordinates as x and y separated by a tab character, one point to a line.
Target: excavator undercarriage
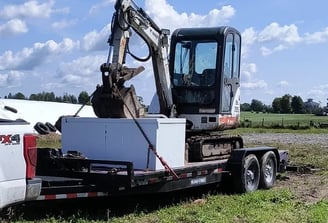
211	147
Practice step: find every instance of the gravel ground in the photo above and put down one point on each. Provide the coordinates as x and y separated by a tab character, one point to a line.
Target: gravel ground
286	138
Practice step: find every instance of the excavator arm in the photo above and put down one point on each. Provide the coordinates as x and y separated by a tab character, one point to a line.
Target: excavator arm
113	99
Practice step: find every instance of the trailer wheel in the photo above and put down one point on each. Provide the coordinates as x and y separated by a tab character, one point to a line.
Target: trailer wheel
268	170
250	175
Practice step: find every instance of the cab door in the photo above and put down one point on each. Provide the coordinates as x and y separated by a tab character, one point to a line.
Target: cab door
230	71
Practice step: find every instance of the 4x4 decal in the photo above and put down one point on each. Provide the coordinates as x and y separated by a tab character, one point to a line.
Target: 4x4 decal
10	139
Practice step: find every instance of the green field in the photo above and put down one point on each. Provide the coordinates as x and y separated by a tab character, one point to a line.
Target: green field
253	119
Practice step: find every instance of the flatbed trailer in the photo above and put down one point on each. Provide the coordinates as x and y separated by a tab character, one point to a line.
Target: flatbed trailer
64	177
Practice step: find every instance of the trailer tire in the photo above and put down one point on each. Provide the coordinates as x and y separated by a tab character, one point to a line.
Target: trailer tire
41	128
51	127
250	175
268	170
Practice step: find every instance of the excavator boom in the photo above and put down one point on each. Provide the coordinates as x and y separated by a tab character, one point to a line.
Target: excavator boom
201	82
113	99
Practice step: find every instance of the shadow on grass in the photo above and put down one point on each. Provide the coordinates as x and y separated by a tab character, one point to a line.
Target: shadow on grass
103	209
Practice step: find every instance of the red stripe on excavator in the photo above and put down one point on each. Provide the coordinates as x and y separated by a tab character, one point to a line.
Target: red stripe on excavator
228	120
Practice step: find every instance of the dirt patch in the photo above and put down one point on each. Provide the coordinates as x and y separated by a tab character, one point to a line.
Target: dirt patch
309	187
286	138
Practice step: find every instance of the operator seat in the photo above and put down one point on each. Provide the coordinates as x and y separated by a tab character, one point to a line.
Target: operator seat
207	77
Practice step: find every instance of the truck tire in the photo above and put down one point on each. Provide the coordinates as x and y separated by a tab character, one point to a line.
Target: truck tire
51	127
268	170
6	214
250	175
41	128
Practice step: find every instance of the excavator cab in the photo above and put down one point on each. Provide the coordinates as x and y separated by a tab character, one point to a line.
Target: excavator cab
205	74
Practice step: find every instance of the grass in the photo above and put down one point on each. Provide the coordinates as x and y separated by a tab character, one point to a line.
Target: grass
261	206
241	131
270	119
276	205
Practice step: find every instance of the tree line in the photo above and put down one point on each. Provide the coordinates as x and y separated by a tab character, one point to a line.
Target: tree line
50	96
83	98
285	104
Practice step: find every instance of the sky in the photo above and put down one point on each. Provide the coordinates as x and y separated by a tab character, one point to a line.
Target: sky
58	46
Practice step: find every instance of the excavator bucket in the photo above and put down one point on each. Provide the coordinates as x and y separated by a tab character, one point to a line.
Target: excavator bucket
116	103
113	99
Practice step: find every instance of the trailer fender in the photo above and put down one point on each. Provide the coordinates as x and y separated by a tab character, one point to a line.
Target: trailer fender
238	155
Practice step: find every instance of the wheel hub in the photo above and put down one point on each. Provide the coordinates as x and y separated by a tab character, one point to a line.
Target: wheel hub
268	172
250	176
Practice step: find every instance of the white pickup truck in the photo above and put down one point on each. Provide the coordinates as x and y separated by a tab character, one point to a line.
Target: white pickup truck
18	156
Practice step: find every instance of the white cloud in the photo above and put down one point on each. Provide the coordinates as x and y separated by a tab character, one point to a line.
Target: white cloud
248	70
283	84
265	51
274	38
248	80
29	9
28	58
288	34
317	37
318	93
64	24
258	84
167	17
11	79
82	72
249	37
83	66
13	27
278	38
65	10
96	40
219	16
100	5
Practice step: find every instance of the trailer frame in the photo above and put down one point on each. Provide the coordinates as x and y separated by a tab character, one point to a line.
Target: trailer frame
81	177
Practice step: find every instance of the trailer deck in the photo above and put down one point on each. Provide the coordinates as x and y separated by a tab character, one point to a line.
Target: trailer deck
80	177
